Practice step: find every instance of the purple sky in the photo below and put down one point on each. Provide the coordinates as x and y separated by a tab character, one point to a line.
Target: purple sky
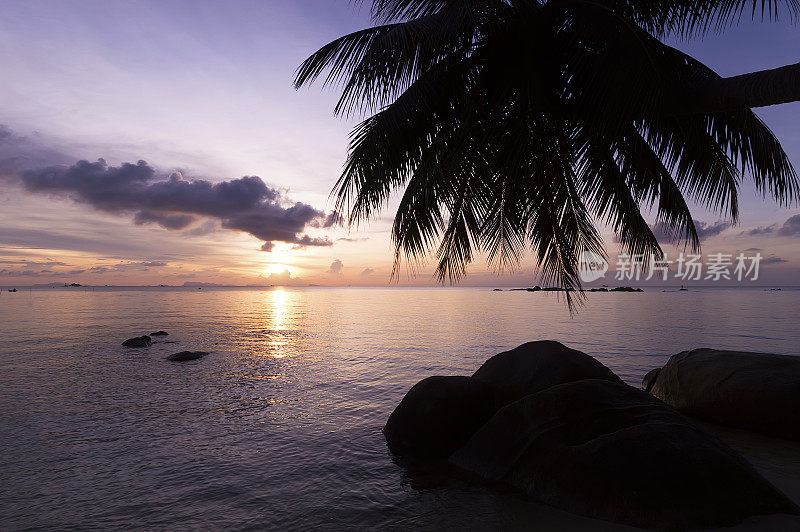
204	88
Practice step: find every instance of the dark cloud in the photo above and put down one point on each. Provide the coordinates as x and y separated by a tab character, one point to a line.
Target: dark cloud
246	204
760	231
329	221
791	226
310	241
367	272
165	220
704	230
773	260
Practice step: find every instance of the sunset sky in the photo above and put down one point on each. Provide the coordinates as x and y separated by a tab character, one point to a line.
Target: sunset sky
202	92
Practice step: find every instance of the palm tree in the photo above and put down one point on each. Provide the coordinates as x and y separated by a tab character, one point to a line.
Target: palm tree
523	123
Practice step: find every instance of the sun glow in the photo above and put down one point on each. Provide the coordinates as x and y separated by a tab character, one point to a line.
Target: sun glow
278	268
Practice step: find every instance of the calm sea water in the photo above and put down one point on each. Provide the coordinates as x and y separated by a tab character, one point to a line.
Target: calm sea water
280	426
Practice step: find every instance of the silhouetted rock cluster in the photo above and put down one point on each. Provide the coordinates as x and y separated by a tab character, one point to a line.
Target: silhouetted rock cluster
146	341
753	391
559	426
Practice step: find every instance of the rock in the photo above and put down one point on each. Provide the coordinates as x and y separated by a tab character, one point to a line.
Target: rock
159	333
650	379
753	391
534	366
185	356
609	451
438	415
139	341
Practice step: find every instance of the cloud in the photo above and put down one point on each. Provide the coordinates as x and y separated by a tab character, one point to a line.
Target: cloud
336	267
306	240
127	266
246	204
791	226
32	264
5	272
773	260
18	153
40	269
764	230
367	272
704	231
206	228
283	278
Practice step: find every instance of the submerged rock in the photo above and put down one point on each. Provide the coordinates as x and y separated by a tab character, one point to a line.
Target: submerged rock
139	341
159	333
534	366
753	391
185	356
438	415
606	450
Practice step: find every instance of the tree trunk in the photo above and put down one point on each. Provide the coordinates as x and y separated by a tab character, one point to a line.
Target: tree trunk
756	89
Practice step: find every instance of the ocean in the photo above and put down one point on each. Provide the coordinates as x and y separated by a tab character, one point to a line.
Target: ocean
280	426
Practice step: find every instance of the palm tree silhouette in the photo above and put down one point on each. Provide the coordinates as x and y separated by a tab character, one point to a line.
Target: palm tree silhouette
511	124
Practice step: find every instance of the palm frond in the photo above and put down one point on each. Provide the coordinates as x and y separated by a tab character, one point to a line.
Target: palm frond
514	126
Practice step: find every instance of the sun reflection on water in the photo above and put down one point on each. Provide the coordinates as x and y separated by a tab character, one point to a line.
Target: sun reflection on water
278	339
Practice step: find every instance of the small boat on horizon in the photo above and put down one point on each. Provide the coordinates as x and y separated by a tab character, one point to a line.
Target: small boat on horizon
12	289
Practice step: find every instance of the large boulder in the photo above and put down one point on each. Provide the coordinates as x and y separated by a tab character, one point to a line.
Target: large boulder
609	451
139	341
534	366
438	415
753	391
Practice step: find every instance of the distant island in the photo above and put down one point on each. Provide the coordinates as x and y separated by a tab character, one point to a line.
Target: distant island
559	289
